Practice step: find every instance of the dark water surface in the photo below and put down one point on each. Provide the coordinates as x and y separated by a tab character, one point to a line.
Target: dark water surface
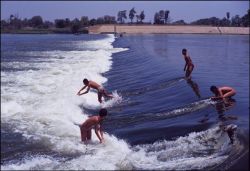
162	122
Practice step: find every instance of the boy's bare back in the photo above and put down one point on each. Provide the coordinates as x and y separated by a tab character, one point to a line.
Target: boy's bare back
94	85
91	121
226	89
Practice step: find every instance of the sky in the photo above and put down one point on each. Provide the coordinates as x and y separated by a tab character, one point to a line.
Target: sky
187	10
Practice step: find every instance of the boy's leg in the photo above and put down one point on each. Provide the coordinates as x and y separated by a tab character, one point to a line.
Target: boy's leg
106	94
229	94
100	97
191	68
187	73
83	133
89	134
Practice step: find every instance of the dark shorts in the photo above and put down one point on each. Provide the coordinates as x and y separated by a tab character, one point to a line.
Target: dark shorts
191	66
101	90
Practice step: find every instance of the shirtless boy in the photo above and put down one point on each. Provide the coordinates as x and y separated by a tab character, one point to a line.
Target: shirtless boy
93	122
189	66
222	92
91	84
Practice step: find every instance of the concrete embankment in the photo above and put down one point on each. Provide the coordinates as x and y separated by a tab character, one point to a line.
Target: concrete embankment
157	29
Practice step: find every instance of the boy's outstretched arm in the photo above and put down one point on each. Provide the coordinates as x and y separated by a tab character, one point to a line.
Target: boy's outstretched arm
185	66
221	94
85	91
99	133
78	93
107	94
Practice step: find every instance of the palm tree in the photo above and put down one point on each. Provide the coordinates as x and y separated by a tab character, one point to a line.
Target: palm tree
228	16
123	15
157	18
119	16
142	16
166	16
162	16
137	18
132	14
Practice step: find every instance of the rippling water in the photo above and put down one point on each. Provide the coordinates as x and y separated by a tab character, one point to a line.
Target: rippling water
157	120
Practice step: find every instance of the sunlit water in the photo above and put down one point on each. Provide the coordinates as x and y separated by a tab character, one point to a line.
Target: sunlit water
157	119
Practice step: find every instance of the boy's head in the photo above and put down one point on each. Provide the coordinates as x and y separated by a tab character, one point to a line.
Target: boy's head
184	51
85	81
214	89
103	112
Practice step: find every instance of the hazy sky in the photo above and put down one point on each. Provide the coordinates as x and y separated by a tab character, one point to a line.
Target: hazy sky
186	10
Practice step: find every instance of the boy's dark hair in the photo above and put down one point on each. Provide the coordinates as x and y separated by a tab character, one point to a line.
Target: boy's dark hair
85	81
184	51
103	112
213	88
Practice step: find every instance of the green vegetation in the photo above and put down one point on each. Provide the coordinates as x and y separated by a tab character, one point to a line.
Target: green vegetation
132	13
162	17
36	24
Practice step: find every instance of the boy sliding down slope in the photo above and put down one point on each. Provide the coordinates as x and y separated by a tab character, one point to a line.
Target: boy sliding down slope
91	84
93	122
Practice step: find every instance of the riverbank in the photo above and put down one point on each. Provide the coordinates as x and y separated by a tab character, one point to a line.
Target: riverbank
167	29
30	30
137	29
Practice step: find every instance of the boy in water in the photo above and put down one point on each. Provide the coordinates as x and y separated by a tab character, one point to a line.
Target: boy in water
189	66
91	84
93	122
222	92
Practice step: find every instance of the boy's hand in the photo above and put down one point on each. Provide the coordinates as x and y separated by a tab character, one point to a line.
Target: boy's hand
213	98
102	140
217	98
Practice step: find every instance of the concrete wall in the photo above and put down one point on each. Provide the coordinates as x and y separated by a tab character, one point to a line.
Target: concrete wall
137	29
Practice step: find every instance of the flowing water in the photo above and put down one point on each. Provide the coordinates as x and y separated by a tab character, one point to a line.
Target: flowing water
157	120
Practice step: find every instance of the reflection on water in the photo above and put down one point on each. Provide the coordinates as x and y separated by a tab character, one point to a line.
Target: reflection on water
195	87
225	105
221	107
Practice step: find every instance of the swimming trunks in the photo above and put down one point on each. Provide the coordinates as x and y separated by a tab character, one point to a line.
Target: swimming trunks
87	129
100	89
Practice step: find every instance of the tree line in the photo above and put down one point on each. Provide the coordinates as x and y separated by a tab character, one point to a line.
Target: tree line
14	22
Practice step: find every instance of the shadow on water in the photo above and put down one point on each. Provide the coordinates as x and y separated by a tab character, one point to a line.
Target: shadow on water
231	129
221	107
162	85
136	118
238	155
195	87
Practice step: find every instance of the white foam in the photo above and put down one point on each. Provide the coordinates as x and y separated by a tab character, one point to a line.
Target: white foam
38	163
42	103
114	101
189	108
189	152
197	150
